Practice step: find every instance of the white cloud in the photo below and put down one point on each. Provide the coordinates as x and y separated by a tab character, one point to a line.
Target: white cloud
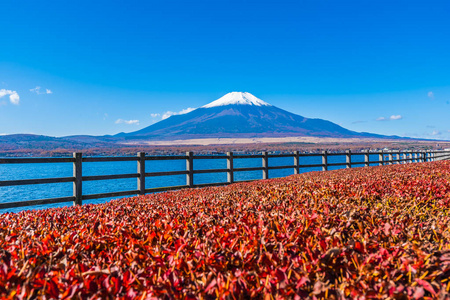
430	95
154	115
4	92
168	114
396	117
436	132
391	118
129	122
37	90
13	96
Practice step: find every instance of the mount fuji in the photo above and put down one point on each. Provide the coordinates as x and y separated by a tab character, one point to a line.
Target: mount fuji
240	115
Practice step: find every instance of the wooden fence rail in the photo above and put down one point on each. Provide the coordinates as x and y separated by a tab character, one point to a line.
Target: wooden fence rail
384	158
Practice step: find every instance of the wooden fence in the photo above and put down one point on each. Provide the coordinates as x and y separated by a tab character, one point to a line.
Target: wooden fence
391	157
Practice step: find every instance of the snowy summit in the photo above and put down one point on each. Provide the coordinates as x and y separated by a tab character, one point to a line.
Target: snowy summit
237	98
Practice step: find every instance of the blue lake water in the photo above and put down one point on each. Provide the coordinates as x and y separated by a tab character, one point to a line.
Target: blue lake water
54	170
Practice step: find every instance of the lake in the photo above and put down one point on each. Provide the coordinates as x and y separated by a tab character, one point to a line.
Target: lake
54	170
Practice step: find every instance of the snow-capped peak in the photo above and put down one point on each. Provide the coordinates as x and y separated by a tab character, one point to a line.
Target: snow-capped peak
237	98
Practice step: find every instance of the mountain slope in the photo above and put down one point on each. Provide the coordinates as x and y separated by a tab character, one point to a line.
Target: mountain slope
240	115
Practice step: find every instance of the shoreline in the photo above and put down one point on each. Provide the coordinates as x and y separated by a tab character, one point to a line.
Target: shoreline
263	140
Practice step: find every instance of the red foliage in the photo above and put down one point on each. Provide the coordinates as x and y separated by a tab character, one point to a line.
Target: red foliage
374	232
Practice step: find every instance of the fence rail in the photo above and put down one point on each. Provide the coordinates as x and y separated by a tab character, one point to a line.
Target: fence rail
384	158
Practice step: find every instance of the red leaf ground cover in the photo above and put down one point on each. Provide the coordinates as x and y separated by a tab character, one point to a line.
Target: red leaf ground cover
376	232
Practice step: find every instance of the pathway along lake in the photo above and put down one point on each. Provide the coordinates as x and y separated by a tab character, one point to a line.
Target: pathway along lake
53	170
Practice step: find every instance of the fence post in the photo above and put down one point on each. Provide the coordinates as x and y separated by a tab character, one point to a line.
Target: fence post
141	172
190	169
390	157
230	172
348	159
265	164
380	158
366	158
78	183
325	160
296	163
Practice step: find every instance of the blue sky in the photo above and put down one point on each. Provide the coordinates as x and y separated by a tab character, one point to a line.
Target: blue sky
105	67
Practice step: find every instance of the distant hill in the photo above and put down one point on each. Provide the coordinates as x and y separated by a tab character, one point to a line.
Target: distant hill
240	115
31	141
